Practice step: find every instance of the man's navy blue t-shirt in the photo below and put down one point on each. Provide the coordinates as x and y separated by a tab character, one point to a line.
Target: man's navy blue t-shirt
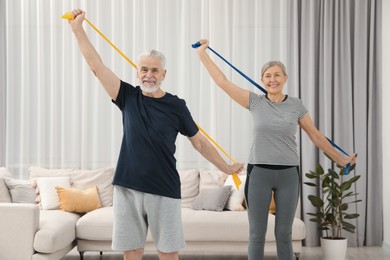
150	126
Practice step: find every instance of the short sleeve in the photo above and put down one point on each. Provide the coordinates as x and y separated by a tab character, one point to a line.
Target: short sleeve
187	126
253	100
125	90
302	110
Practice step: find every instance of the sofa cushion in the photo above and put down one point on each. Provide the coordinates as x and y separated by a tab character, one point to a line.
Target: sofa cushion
83	179
56	230
96	225
202	225
237	196
21	191
228	226
47	190
211	179
212	199
189	186
77	200
298	229
4	193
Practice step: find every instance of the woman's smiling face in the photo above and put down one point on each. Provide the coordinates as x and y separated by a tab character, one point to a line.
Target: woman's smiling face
274	79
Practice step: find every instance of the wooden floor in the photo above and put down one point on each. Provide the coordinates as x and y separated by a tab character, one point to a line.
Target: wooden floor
308	253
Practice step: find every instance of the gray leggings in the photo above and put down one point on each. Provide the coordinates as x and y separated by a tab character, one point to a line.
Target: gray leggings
260	183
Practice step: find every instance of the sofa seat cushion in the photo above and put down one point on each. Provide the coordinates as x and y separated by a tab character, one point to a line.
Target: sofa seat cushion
298	229
56	230
96	225
203	225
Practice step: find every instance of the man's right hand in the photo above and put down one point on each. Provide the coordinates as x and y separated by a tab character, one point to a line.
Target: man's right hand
77	22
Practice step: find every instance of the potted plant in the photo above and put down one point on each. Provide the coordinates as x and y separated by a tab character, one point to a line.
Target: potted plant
332	205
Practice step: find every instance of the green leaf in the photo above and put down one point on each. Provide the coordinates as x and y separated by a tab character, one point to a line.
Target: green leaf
312	175
344	206
348	195
347	225
317	220
319	169
326	182
310	184
351	230
354	179
318	215
316	201
345	186
355	201
334	192
351	216
333	174
352	168
330	217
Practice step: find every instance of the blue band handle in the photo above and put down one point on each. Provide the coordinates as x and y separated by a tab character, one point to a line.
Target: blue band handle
197	44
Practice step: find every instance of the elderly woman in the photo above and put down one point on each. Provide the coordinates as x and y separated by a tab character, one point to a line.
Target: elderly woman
274	161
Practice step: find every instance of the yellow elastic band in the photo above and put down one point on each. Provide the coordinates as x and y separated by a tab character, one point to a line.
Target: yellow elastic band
236	179
69	16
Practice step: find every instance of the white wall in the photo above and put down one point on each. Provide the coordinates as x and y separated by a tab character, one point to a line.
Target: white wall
386	119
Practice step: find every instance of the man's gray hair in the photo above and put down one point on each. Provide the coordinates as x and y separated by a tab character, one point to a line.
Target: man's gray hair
155	54
272	64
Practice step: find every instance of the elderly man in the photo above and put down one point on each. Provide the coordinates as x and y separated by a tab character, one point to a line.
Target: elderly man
146	182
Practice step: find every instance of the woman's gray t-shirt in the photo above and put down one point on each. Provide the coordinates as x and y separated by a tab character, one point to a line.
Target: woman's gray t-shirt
274	129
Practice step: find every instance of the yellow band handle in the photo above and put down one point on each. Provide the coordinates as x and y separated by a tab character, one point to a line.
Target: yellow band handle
69	16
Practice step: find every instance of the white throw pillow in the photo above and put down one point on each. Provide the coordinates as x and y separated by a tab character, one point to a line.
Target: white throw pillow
47	190
211	179
189	186
237	197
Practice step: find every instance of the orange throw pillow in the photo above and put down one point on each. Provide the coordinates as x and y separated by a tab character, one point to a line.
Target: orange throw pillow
77	200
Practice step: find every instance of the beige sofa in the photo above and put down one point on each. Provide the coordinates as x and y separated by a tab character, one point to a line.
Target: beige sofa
31	232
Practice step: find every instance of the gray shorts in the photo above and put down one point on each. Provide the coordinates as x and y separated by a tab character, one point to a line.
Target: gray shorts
135	211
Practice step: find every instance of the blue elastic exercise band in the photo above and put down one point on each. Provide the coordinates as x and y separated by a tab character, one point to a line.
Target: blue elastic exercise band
197	44
346	170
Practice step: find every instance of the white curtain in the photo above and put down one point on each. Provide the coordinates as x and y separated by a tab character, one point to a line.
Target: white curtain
58	115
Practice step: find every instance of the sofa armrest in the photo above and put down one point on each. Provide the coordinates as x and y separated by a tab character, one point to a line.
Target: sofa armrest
18	224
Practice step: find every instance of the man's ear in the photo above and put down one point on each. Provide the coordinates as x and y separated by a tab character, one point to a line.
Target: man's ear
165	73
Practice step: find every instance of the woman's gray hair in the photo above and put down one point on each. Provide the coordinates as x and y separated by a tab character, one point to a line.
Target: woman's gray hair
272	64
155	54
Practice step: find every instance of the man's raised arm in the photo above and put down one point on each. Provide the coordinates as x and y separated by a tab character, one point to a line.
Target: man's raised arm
109	80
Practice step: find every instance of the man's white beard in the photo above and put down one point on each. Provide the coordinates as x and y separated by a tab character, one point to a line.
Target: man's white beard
149	90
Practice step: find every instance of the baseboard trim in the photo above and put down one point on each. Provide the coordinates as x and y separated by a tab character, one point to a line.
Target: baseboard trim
386	246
